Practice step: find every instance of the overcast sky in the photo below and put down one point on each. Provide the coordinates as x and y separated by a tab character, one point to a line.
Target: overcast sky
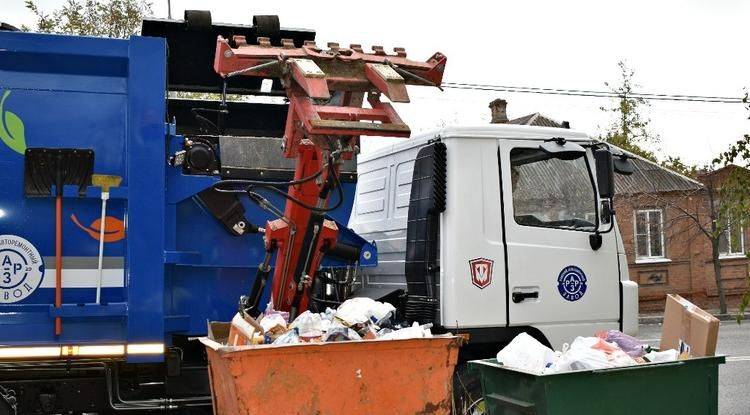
691	47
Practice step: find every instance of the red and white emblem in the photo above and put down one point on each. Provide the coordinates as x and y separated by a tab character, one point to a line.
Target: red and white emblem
481	271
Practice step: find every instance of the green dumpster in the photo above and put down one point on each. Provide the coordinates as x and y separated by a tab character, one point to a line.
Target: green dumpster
681	387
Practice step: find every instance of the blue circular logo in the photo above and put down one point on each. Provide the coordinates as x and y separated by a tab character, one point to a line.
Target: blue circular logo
571	283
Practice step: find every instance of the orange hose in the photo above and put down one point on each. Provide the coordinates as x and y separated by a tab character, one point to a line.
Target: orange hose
58	262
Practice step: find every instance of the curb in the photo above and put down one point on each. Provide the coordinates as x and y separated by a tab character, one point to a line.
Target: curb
659	319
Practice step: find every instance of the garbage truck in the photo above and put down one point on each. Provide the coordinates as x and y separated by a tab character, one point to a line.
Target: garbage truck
139	201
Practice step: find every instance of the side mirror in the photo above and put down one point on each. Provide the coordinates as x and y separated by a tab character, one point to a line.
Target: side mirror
605	177
623	165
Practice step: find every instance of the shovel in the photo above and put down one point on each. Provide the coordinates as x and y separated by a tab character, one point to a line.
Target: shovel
58	167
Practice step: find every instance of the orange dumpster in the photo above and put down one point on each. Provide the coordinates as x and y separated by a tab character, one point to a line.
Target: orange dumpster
411	376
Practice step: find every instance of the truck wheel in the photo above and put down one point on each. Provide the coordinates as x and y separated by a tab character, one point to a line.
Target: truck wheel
198	19
266	25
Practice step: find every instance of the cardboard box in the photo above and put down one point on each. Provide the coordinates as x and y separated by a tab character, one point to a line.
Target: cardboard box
688	329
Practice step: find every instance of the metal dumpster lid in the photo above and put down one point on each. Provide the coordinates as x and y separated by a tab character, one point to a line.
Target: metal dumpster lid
191	53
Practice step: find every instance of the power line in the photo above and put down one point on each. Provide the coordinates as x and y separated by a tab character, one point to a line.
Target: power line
591	93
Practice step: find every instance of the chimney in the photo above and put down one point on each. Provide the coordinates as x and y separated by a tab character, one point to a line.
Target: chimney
499	113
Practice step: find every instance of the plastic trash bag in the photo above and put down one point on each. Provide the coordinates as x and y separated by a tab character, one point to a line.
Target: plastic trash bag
325	325
270	311
526	353
309	324
414	332
580	359
328	314
590	353
326	319
599	344
290	337
340	334
664	356
382	332
362	310
380	312
629	344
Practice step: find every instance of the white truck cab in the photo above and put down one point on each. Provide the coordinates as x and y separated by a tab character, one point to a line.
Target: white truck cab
498	229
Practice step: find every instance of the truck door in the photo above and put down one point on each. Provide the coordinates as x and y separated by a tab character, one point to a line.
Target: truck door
554	277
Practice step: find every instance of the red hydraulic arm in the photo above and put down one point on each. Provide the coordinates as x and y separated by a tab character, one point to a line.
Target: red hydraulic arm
326	90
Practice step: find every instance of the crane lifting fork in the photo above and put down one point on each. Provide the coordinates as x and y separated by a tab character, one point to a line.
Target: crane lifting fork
326	91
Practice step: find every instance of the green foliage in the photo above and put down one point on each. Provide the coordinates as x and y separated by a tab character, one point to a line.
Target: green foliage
736	191
11	128
107	18
676	164
741	148
727	207
629	129
735	197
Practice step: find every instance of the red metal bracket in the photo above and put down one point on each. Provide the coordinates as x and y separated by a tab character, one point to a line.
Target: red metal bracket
321	84
326	90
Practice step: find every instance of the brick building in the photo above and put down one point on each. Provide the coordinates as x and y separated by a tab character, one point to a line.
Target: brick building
660	213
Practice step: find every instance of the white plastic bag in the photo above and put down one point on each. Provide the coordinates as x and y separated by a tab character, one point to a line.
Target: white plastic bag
379	312
582	355
414	332
669	355
270	310
337	332
290	337
580	359
361	310
526	353
309	324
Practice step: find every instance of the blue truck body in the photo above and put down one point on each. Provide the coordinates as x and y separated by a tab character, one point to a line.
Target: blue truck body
169	265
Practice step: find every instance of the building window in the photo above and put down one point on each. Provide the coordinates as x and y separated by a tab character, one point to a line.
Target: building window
732	241
649	234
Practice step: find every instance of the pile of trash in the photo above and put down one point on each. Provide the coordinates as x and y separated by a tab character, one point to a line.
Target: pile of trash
607	349
356	319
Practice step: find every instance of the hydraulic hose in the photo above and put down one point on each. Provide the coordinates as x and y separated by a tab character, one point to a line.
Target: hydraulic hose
272	186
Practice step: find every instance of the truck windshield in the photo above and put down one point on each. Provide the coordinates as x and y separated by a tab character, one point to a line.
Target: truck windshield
550	192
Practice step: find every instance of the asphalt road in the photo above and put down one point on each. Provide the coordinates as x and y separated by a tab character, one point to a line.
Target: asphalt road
734	376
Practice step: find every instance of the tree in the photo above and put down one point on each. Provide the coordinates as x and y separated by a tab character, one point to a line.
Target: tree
727	203
107	18
738	190
713	212
629	129
718	226
678	165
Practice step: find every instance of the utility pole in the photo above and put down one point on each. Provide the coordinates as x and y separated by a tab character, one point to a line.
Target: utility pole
169	9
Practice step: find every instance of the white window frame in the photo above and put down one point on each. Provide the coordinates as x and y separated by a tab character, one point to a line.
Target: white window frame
728	233
649	257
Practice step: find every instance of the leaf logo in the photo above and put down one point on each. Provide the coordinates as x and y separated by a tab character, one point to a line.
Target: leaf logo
11	128
114	229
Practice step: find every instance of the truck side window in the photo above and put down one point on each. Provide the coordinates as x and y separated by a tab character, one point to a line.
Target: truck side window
550	192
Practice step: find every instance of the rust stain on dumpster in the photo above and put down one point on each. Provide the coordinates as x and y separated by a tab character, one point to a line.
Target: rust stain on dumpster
411	376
